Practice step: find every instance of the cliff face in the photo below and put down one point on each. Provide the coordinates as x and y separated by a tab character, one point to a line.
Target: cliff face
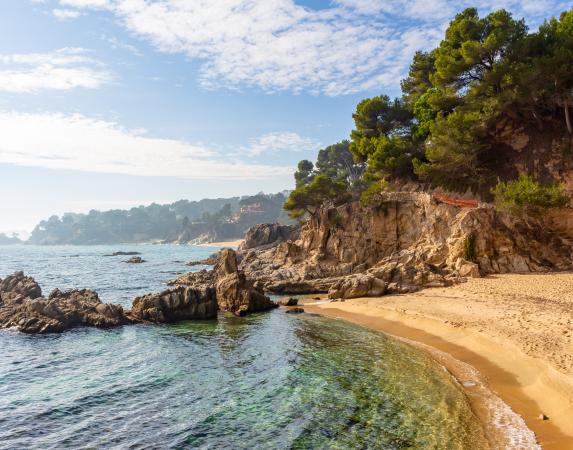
409	241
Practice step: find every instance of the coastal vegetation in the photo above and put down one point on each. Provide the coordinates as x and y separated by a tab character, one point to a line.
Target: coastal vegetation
489	78
181	221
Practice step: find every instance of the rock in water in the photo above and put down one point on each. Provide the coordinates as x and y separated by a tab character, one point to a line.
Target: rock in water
180	303
135	260
123	254
288	301
234	292
23	308
294	311
18	287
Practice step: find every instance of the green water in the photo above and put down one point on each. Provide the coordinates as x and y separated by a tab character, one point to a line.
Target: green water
268	381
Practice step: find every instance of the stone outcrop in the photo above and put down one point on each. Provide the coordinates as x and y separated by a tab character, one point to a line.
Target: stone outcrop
234	291
22	307
180	303
135	260
211	260
409	241
267	235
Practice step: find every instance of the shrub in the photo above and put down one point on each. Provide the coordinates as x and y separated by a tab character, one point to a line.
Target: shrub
470	247
526	196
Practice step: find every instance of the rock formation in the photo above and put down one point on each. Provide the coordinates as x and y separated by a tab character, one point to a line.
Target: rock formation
409	241
22	307
211	260
180	303
234	292
267	235
135	260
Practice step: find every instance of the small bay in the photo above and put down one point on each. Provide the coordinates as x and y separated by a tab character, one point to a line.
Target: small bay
270	380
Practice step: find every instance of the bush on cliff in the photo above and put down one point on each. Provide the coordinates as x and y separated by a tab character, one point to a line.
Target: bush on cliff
525	196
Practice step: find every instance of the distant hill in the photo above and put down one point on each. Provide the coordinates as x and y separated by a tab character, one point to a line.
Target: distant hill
9	240
183	221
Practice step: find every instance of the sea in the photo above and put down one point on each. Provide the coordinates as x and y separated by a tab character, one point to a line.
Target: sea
267	381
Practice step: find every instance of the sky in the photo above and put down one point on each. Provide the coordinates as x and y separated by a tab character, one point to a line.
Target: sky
116	103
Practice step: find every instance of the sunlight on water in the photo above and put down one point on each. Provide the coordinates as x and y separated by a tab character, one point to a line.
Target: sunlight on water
270	380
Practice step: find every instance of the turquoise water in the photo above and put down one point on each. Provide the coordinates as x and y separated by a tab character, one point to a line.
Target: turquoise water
271	380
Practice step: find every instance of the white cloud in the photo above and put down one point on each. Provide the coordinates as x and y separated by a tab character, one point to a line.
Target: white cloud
64	69
351	46
66	14
77	142
279	142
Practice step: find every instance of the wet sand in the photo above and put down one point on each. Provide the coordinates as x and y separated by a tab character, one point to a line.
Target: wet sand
516	330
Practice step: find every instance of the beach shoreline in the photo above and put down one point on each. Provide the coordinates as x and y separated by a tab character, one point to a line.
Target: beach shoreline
500	326
227	244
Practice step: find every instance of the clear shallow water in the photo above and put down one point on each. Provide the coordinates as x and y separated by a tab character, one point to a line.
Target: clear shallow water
270	380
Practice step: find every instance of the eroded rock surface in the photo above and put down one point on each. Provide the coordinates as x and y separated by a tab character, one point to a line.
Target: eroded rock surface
22	307
234	292
409	241
267	235
180	303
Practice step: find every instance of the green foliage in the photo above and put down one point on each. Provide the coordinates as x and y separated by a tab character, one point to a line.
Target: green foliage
304	174
470	247
337	163
371	196
419	76
525	196
476	52
453	153
487	75
321	190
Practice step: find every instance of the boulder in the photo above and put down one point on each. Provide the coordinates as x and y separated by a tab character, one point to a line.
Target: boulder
360	285
288	301
234	292
294	310
180	303
135	260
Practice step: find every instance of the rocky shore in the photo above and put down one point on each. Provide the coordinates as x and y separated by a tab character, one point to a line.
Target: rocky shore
409	241
23	307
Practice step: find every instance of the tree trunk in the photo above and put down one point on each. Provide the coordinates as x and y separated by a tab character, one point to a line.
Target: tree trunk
567	117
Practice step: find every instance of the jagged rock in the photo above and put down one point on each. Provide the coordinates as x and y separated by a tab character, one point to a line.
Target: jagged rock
195	279
135	260
267	235
234	292
60	311
180	303
289	301
211	260
409	241
294	310
17	287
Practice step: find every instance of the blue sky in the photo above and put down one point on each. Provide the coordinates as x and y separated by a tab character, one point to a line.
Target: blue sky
116	103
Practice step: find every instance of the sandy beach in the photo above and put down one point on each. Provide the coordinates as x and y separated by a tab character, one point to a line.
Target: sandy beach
516	330
229	244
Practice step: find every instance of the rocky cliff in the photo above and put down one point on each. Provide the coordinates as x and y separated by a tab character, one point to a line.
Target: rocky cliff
410	240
